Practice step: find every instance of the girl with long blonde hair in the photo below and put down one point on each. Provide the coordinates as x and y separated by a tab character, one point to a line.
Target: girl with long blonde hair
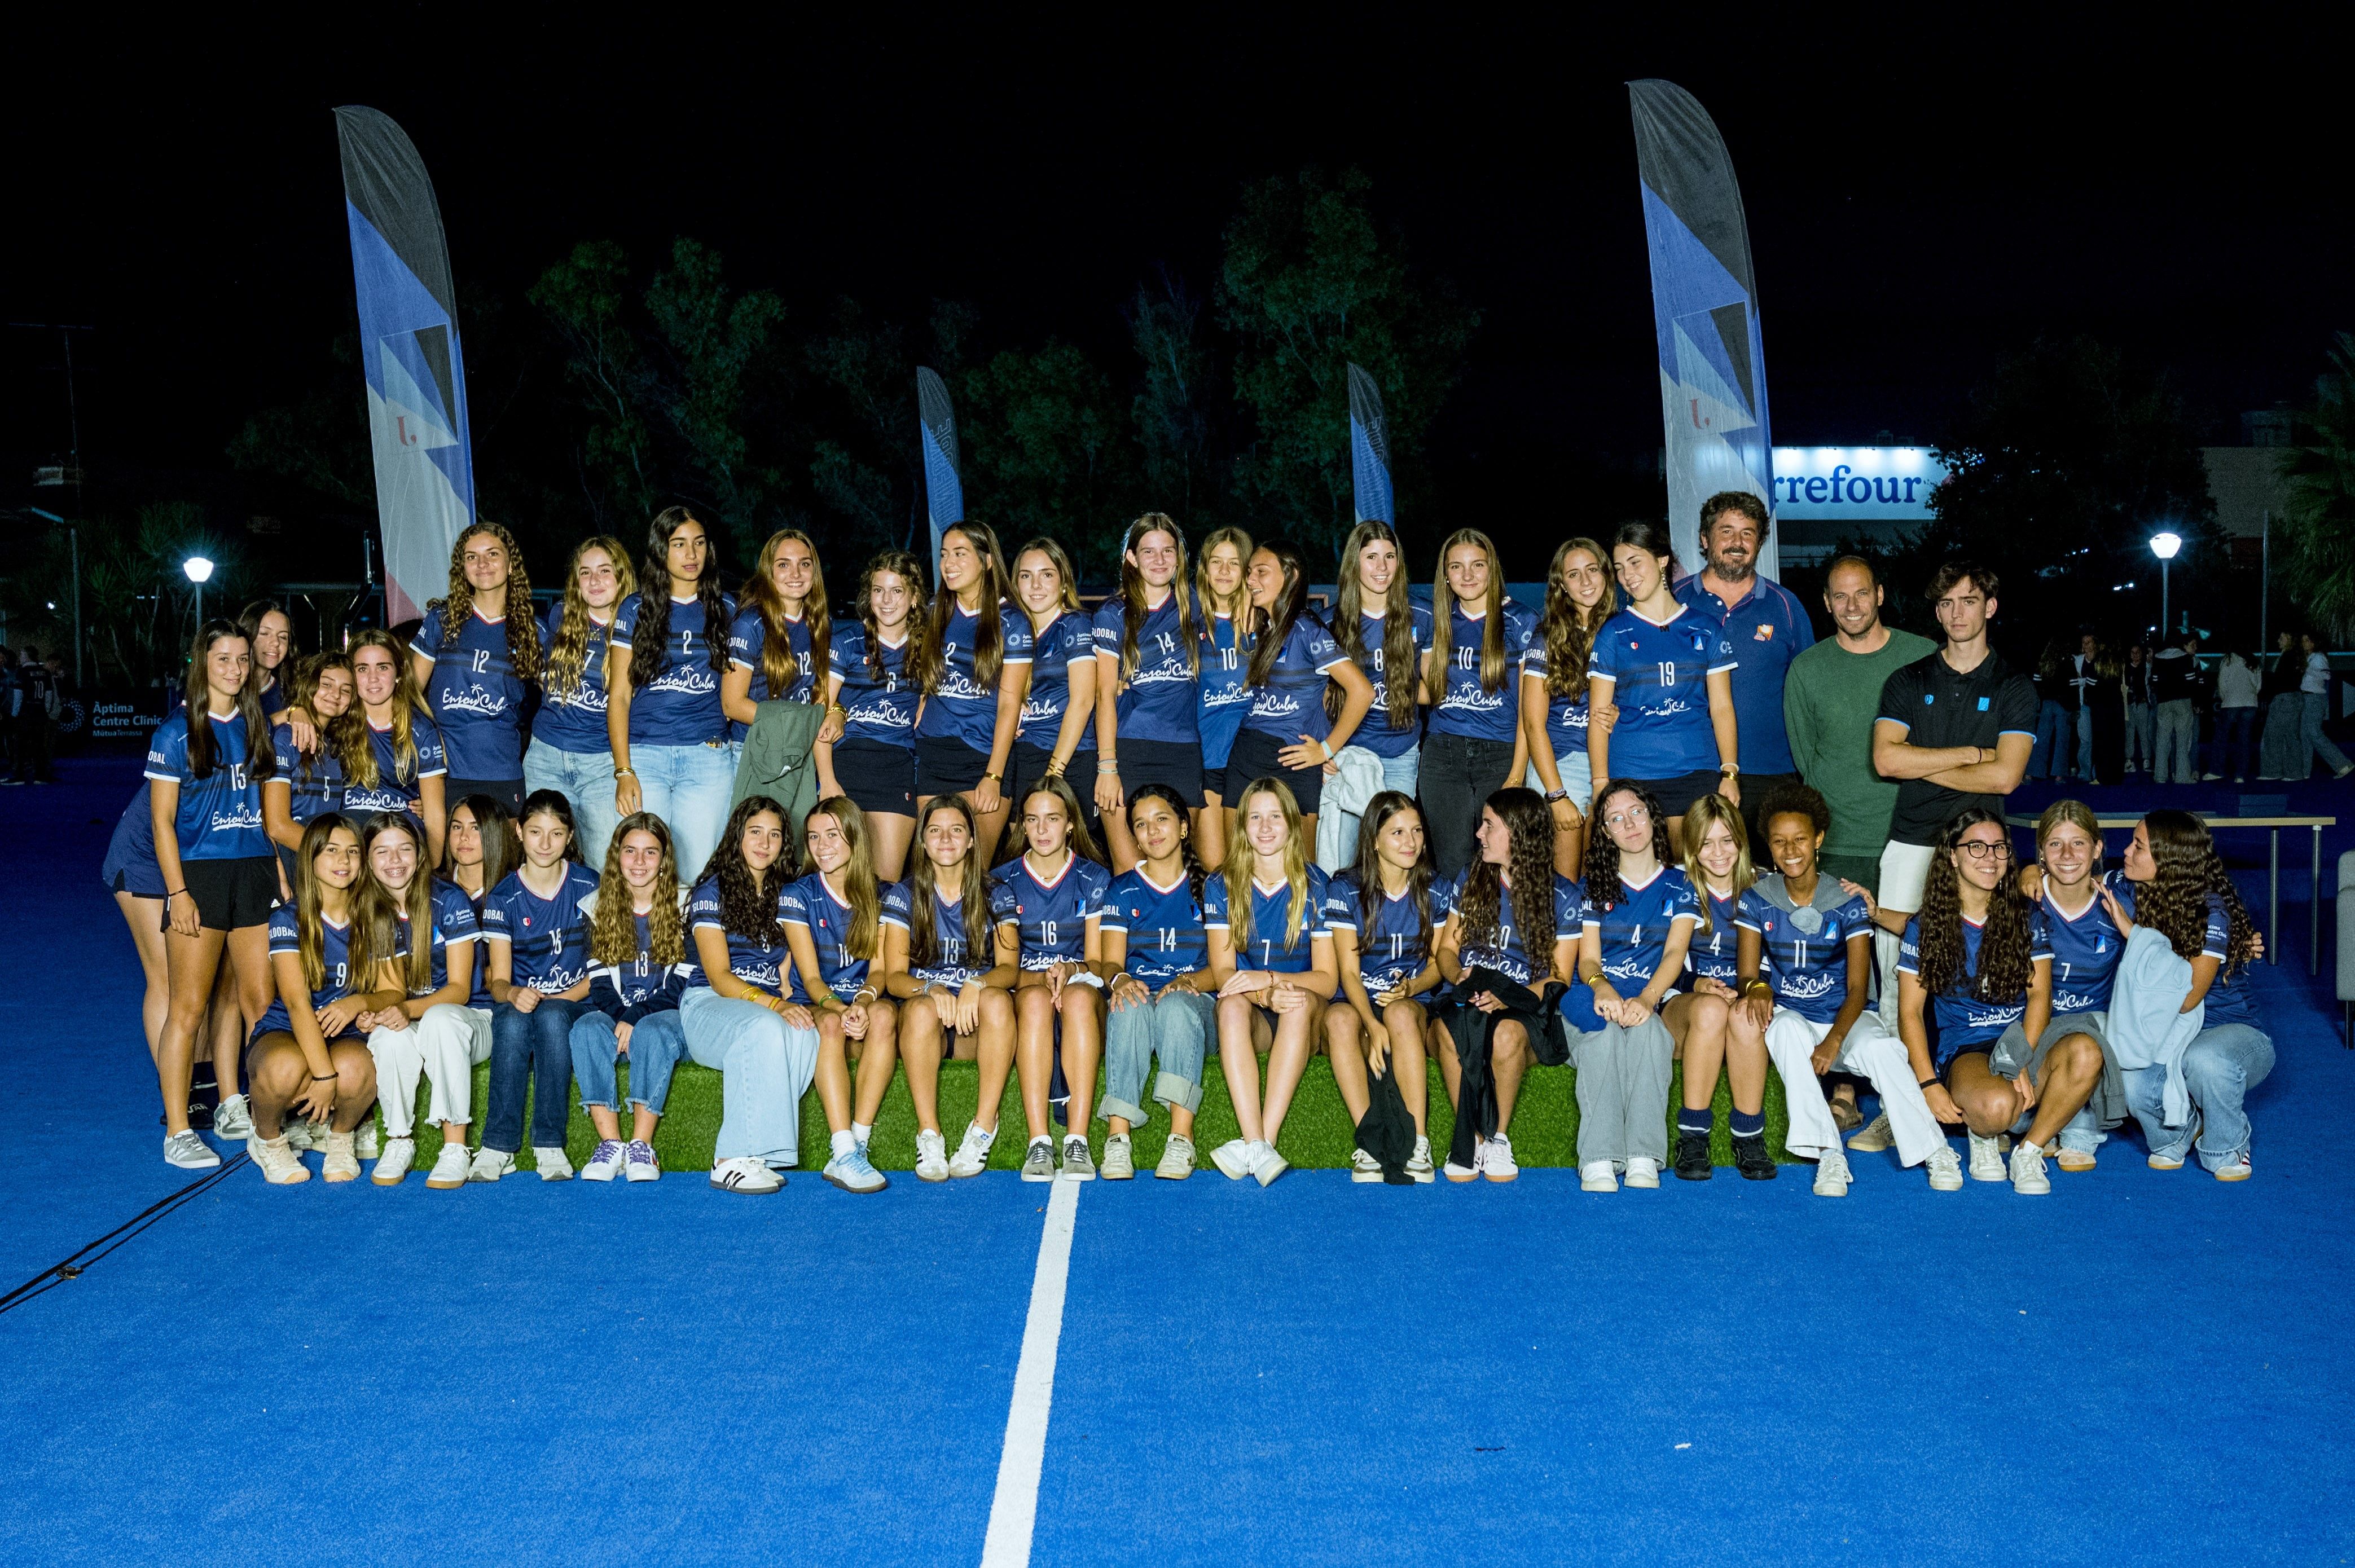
1149	662
1224	682
937	963
571	752
833	927
1475	745
639	969
389	744
1717	864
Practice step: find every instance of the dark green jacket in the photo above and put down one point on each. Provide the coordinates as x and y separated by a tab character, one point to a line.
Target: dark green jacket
776	760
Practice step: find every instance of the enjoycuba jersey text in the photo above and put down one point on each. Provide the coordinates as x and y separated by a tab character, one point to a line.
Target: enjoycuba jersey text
877	704
812	904
1635	930
392	792
1158	703
759	962
1375	733
1071	635
335	959
1269	944
1803	952
680	706
1659	672
1049	917
573	720
2084	949
1965	1022
1391	947
962	709
474	694
1465	706
547	938
1161	926
1290	702
1507	953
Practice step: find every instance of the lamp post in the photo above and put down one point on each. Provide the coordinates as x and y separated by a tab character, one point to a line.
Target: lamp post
2164	545
200	571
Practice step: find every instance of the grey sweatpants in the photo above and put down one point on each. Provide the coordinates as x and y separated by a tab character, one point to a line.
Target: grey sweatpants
1622	1092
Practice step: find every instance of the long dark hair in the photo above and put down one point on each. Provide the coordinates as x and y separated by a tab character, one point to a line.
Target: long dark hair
1602	864
924	889
2004	970
1398	622
1367	868
651	637
1528	866
1271	626
928	663
1650	535
1186	857
502	842
778	666
748	904
261	756
2175	902
522	624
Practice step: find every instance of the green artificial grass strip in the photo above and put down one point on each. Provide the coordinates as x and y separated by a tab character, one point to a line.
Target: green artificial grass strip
1317	1133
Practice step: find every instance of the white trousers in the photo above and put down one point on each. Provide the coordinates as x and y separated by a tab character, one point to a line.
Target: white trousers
443	1046
1904	868
1870	1052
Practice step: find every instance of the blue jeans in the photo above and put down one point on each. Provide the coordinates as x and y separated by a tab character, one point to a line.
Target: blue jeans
1176	1027
1400	772
2220	1068
688	788
656	1043
2316	745
766	1068
584	778
530	1051
2051	759
1577	770
2084	743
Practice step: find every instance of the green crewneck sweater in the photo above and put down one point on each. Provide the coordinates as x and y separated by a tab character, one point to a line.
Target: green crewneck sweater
1829	700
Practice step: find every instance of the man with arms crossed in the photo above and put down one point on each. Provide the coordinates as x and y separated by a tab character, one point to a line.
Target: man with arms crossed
1954	730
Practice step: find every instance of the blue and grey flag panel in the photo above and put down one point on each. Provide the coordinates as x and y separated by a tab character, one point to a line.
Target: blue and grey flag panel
410	355
1705	311
1370	450
943	491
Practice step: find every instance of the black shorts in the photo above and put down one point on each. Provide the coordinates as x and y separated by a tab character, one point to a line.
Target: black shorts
1254	757
877	776
231	894
1676	795
1027	765
1171	762
1214	782
947	766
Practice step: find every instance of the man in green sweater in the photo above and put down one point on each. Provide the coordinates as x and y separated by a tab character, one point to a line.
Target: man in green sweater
1830	702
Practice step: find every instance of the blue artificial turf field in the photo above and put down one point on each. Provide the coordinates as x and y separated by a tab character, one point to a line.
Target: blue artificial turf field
2142	1367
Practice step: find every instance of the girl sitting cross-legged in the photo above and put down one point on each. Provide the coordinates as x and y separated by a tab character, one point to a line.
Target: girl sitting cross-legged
938	962
833	927
638	946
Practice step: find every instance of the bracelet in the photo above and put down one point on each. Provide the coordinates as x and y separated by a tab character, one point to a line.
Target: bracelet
322	1078
1327	747
174	894
1055	767
1553	795
1107	766
1927	1083
626	773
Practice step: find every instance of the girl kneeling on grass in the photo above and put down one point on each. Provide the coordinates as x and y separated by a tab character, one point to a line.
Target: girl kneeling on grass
1636	923
733	1012
1383	914
638	944
1266	910
834	927
937	961
1158	957
433	1032
1717	867
1049	906
537	924
312	1058
1509	913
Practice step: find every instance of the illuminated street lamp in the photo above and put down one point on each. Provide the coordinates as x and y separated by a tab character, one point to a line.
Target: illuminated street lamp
2164	544
200	572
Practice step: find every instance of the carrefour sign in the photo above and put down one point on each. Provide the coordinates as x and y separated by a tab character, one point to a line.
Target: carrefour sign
1842	482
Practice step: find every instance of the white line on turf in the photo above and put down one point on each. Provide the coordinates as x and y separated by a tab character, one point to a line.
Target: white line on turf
1014	1508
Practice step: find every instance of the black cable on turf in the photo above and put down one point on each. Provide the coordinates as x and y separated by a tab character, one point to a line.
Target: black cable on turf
74	1263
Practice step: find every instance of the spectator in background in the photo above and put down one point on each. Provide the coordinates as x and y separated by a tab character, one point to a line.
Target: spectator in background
1768	627
2082	677
2237	685
37	716
2175	683
11	694
2106	701
2316	690
2056	722
2141	725
2278	748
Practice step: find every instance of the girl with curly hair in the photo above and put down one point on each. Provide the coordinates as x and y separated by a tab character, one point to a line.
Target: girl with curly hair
937	964
835	917
1510	913
1384	914
2182	892
1158	953
871	689
571	752
973	668
664	660
474	662
1717	864
1579	600
638	946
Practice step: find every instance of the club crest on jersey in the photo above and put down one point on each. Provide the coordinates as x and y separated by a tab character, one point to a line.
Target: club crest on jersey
1765	633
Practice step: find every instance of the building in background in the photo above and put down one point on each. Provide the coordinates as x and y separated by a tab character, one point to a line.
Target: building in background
1876	495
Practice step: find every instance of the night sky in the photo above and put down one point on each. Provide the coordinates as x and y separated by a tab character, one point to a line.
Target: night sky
1917	201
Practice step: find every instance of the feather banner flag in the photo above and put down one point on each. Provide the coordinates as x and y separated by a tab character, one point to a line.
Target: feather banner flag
1705	314
1370	450
943	491
409	356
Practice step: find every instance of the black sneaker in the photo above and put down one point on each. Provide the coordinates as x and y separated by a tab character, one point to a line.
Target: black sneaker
1749	1158
1692	1156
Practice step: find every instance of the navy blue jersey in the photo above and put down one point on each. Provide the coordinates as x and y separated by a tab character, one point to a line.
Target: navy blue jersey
759	962
1634	929
574	718
314	780
453	922
1507	954
1071	635
219	815
392	791
1162	925
955	960
747	644
1158	703
474	694
1290	702
1375	733
1392	949
2227	995
877	705
1715	944
811	904
1965	1022
1659	672
1225	699
962	708
131	852
680	706
1049	917
1465	706
2084	950
1565	716
1267	945
1803	953
547	938
335	957
637	977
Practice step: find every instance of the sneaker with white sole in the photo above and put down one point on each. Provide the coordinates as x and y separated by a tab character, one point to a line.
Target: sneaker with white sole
1177	1158
281	1166
2076	1161
971	1156
1038	1160
854	1173
1987	1159
1945	1168
640	1163
234	1119
393	1162
2165	1163
1364	1167
1471	1172
743	1173
931	1156
303	1136
604	1160
1496	1159
2236	1169
1120	1159
1418	1164
554	1164
343	1160
449	1168
490	1164
366	1141
1598	1176
1233	1158
1831	1174
189	1152
1643	1170
1269	1165
2027	1175
1079	1163
1876	1135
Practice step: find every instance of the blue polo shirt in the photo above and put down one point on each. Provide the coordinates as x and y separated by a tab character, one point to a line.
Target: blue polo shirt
1768	627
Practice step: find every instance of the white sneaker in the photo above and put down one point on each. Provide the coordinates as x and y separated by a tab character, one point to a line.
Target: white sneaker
1598	1176
1875	1137
1643	1170
490	1164
853	1172
366	1141
234	1120
1079	1160
972	1151
1987	1159
1496	1159
604	1162
931	1157
1831	1174
553	1164
2027	1175
1233	1158
303	1136
449	1168
1364	1167
189	1152
744	1174
640	1163
1119	1162
1455	1172
1418	1164
2236	1169
1269	1165
392	1164
281	1166
1177	1158
343	1160
1945	1169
